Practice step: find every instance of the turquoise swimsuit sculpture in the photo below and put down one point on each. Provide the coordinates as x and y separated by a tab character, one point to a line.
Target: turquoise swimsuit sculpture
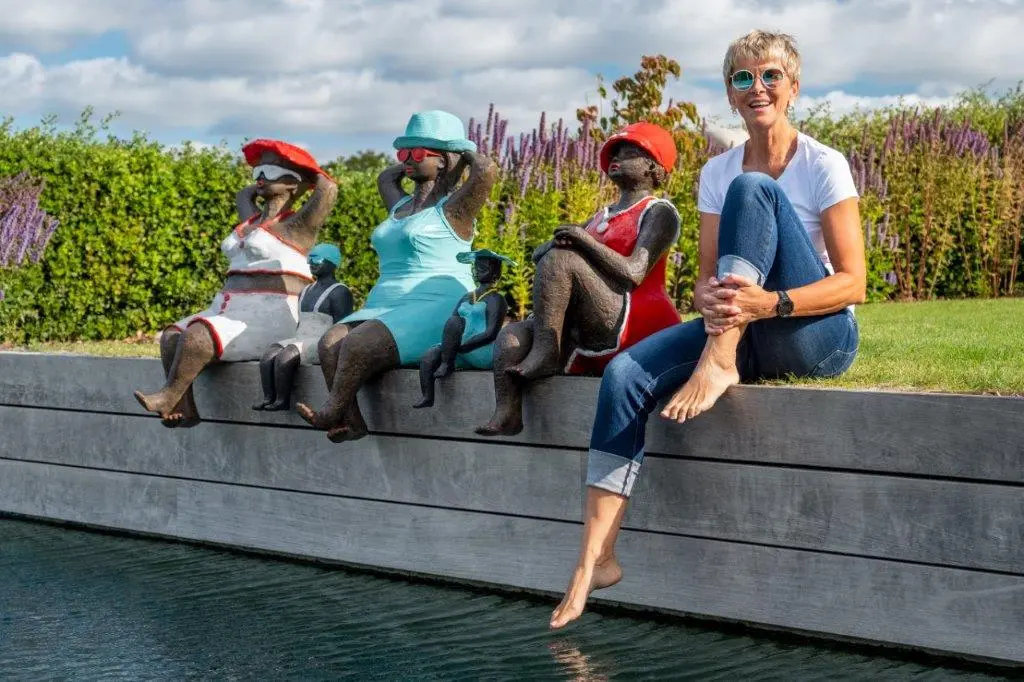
420	278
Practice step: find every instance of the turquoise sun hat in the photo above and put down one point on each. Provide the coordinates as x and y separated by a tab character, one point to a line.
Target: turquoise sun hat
327	252
435	129
472	256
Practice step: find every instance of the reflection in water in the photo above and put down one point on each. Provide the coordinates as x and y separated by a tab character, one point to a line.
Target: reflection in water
576	666
84	606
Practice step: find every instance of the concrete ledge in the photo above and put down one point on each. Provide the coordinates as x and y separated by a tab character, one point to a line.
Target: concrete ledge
896	519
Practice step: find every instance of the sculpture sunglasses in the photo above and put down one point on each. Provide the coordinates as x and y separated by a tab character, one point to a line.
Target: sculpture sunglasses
272	172
417	154
744	79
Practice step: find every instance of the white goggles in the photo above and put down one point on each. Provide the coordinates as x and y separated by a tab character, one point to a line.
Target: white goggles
272	172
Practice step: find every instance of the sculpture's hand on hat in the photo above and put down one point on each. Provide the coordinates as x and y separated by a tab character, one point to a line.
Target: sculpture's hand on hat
245	202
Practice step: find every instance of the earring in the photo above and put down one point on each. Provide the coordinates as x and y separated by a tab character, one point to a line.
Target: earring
734	112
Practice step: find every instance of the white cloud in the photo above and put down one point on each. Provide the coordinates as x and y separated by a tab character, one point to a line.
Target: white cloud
360	67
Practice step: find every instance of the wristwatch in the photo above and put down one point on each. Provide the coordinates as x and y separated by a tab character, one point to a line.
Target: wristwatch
784	308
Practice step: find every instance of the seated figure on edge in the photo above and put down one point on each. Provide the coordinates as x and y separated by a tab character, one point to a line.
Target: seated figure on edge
781	265
321	305
597	289
267	270
469	333
420	280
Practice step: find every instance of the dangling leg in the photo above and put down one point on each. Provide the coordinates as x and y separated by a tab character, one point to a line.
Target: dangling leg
759	237
367	351
431	361
286	365
631	386
451	339
267	378
511	346
196	350
186	407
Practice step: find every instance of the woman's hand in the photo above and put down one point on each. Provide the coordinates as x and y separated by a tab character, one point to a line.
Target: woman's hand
734	301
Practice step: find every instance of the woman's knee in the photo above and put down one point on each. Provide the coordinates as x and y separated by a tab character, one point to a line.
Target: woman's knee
332	337
751	184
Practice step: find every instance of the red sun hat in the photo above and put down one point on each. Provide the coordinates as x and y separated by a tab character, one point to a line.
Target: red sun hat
653	139
296	155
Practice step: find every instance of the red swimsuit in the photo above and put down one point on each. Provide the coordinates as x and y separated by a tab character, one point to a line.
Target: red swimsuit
648	307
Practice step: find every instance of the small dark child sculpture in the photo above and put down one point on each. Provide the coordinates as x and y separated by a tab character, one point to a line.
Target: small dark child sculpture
469	333
321	305
598	288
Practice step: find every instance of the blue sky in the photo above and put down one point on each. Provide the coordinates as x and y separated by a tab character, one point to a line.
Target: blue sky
342	75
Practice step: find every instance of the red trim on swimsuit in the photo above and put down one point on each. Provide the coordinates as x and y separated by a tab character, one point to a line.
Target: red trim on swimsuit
213	332
648	307
273	272
273	221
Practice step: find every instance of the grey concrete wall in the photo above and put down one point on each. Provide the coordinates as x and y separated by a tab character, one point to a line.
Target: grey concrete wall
889	518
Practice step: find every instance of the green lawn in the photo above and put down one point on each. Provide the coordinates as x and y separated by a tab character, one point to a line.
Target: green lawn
971	346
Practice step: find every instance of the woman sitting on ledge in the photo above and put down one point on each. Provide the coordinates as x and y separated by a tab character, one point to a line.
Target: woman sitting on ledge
781	262
267	272
421	280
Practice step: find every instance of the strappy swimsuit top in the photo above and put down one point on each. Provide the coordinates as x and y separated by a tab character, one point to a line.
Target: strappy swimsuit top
261	252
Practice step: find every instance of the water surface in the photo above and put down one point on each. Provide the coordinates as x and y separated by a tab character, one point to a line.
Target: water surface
76	605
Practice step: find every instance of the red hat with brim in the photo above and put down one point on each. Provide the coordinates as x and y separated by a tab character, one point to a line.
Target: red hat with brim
289	152
653	139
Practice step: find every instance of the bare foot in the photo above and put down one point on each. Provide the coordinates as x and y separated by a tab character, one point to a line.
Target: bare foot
501	426
536	366
315	419
156	403
584	581
342	434
444	370
705	386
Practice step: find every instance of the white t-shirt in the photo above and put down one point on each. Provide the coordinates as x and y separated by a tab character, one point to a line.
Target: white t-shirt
816	178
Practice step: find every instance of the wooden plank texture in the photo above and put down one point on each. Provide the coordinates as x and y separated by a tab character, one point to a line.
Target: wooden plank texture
943	522
936	435
484	476
941	609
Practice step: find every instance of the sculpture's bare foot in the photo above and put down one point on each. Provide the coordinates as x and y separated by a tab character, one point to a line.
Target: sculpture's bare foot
342	434
443	370
584	581
307	413
705	386
426	402
502	425
157	403
536	365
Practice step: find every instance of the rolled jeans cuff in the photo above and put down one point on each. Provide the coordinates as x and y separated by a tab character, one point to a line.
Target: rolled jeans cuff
737	265
613	473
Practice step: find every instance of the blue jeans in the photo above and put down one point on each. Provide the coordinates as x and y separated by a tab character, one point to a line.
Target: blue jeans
760	237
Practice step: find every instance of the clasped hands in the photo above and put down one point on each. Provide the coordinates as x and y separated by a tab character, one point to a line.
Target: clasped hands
565	237
731	302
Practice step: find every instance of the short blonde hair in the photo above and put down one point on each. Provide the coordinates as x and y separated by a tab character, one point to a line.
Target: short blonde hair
762	46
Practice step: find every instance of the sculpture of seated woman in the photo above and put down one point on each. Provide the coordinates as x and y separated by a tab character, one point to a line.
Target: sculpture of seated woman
321	304
259	301
469	333
420	279
597	289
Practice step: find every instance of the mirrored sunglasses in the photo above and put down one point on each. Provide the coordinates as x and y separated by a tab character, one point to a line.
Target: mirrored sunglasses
272	172
744	79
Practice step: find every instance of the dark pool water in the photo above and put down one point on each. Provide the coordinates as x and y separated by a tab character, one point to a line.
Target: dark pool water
76	605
